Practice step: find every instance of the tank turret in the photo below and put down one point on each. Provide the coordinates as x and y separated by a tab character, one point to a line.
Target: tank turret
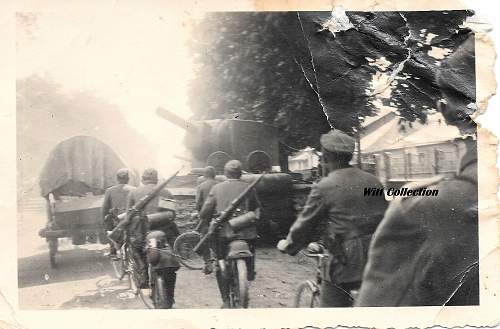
214	142
256	145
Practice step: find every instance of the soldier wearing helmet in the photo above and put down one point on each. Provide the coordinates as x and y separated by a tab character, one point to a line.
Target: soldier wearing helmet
338	214
202	192
205	186
219	198
115	203
139	226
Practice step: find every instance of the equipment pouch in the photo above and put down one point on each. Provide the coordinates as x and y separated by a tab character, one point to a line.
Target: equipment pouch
242	221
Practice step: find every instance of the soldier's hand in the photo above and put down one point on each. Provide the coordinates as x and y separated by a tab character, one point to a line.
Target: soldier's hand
212	227
282	245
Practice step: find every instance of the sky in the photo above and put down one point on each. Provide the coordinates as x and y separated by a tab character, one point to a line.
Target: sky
136	60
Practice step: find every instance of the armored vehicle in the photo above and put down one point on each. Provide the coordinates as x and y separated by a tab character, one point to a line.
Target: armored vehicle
257	146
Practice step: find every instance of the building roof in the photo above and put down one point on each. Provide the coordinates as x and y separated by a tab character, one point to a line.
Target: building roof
392	135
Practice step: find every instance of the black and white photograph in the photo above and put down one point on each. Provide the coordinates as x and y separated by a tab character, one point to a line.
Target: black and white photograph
247	159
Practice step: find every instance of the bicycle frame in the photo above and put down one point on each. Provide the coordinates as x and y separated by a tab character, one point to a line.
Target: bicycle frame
312	286
235	269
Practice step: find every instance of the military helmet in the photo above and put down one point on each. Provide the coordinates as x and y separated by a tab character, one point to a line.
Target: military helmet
122	174
209	172
232	168
150	175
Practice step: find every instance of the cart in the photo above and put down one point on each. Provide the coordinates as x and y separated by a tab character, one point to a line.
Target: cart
73	181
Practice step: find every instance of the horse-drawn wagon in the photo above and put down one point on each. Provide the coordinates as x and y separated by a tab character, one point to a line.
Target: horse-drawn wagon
73	181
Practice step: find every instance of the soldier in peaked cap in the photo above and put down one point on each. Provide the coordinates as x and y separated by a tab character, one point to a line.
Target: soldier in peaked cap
115	203
425	251
337	208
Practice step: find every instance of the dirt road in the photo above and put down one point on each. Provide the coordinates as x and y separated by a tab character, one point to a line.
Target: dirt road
84	278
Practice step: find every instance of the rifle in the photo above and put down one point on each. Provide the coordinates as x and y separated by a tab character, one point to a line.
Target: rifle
117	232
225	215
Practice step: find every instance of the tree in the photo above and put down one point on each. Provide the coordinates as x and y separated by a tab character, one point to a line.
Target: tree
245	70
46	116
308	72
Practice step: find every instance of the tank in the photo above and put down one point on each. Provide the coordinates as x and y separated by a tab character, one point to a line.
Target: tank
214	142
257	146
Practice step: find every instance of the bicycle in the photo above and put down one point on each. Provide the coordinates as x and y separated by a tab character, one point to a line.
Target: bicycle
308	292
183	248
235	267
161	266
124	266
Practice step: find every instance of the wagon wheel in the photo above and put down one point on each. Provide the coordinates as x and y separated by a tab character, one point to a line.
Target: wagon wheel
53	243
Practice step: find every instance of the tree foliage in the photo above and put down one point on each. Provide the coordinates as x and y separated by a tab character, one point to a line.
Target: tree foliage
46	115
245	69
304	74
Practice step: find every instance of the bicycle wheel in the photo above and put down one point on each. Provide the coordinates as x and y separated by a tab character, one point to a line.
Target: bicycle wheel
183	248
134	282
119	265
307	295
160	298
147	299
239	285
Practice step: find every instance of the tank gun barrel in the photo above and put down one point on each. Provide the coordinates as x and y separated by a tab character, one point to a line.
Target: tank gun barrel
173	118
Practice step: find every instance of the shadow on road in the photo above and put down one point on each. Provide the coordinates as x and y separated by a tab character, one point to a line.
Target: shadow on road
76	264
109	294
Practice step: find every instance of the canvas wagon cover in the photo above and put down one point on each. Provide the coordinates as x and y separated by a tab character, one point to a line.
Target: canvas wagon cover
82	159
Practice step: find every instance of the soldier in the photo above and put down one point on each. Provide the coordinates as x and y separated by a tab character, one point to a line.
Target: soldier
219	199
425	251
337	207
204	188
138	226
115	203
202	192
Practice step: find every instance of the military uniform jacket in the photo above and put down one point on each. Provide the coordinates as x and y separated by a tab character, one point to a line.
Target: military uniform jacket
425	251
202	192
115	197
138	228
220	197
337	208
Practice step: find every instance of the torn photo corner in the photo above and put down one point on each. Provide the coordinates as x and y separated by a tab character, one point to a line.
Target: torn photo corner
336	175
